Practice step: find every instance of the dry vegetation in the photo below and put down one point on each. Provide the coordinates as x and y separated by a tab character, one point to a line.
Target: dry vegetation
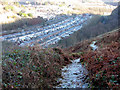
104	63
96	25
17	16
92	10
32	67
38	68
22	23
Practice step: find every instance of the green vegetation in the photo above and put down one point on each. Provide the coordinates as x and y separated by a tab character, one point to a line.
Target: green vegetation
23	6
103	64
62	4
46	3
20	23
32	67
30	14
96	25
16	3
9	8
12	17
22	14
38	68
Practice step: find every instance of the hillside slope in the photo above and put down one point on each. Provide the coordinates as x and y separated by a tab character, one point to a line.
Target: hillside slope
38	68
98	25
103	64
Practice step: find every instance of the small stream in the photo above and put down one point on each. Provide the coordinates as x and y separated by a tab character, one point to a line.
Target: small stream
74	75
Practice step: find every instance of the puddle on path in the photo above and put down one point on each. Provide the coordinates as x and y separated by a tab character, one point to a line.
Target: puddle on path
74	76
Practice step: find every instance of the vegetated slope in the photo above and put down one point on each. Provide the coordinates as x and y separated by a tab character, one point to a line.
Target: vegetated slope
14	15
98	25
38	68
103	64
32	67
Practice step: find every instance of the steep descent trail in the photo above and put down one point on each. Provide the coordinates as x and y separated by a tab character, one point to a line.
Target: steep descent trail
74	76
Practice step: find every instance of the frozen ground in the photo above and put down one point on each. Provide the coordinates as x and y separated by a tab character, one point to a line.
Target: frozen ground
74	75
94	47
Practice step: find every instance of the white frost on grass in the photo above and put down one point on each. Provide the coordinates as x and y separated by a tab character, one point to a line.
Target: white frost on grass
73	76
94	47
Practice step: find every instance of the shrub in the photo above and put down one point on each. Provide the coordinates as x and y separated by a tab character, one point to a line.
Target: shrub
23	6
104	63
22	14
9	8
11	17
16	3
30	14
6	8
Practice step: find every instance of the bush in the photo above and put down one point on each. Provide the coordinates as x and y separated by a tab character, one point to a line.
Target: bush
22	14
23	6
46	3
16	3
104	63
11	17
30	14
9	8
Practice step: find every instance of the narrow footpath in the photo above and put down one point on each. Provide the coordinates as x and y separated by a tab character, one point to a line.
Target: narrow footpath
74	75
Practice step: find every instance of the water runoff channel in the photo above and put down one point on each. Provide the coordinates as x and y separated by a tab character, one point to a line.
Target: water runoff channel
75	75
